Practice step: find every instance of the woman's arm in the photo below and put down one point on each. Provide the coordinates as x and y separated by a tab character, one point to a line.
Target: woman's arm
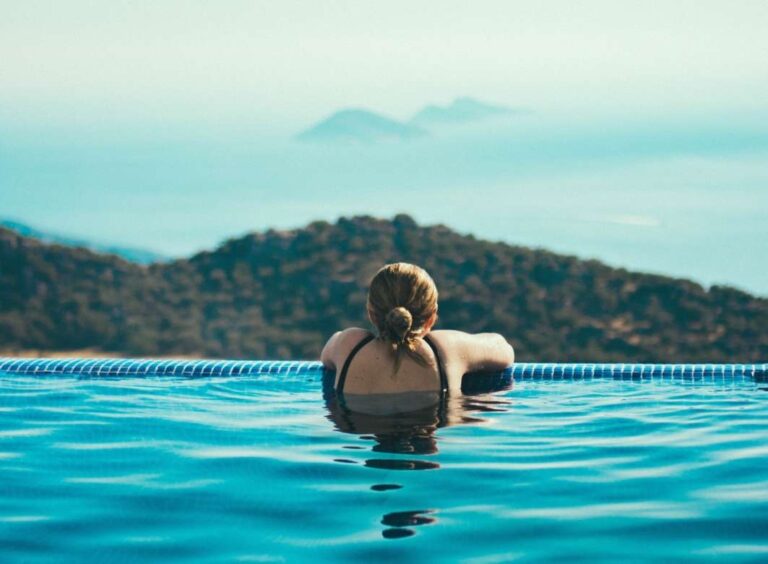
488	352
481	352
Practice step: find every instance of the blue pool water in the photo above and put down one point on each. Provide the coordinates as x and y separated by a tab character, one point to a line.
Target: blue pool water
266	468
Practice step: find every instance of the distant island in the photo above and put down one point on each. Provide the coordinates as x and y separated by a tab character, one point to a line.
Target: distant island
280	294
461	111
140	256
358	125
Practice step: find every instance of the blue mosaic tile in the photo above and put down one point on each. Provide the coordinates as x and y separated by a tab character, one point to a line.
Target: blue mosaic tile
116	367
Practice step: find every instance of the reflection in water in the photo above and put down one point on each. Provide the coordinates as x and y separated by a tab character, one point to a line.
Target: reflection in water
405	424
395	464
400	520
397	533
385	487
407	518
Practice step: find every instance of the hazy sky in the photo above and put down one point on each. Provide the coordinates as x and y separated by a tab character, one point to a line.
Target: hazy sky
168	125
116	64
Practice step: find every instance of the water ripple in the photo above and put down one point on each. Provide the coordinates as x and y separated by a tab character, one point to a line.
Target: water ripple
251	470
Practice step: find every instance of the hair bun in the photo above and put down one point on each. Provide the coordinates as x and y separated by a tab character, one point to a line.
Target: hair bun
399	322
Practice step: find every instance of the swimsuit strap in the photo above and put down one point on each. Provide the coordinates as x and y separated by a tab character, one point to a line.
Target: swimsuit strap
443	377
367	339
343	376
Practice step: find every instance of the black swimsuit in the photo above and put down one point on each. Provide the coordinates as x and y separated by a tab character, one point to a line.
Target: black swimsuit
367	339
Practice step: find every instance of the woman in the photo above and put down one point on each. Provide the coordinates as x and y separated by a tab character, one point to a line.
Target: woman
406	355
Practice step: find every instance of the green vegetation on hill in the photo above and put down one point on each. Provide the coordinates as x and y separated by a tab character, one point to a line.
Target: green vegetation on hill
280	294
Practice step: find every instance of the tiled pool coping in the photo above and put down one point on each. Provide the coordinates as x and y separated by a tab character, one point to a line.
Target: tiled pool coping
205	368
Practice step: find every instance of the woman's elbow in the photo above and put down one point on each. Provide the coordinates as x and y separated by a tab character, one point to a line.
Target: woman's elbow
506	352
500	352
511	355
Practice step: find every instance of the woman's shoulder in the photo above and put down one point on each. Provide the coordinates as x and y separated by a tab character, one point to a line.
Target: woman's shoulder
449	336
341	343
352	334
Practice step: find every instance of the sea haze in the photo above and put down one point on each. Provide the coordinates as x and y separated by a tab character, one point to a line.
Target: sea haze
687	197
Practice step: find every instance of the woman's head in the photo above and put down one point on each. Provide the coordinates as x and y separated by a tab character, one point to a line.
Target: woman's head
402	304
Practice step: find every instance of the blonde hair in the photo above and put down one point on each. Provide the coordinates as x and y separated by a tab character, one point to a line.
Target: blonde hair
401	300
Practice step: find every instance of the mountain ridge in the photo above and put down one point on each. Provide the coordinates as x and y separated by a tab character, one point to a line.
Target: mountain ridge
280	294
361	125
131	254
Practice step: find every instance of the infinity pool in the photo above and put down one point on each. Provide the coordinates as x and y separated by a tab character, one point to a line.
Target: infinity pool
269	469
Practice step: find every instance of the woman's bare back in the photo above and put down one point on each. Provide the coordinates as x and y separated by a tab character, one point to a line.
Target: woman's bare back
372	370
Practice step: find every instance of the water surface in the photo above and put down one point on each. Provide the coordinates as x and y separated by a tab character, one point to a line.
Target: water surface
264	469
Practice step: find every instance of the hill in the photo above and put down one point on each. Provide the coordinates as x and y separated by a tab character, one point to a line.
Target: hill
359	126
132	254
280	294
